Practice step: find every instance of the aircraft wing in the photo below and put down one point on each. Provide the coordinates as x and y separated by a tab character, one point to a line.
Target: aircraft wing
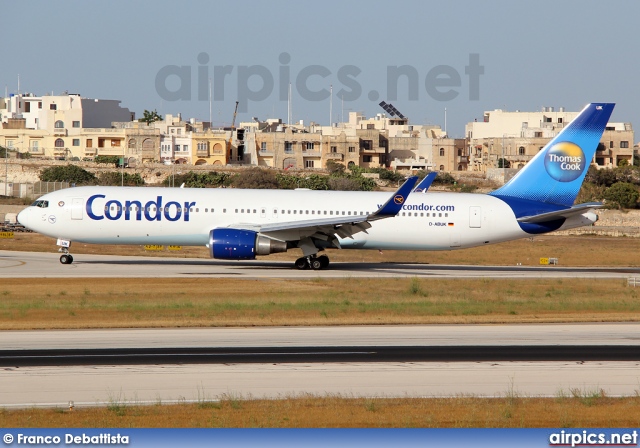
328	229
566	213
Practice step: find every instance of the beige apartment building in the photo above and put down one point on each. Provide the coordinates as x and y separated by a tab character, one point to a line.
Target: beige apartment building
518	136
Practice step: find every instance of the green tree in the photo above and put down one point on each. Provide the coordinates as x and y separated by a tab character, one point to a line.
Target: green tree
503	163
256	178
118	178
150	117
3	152
622	195
335	168
107	159
70	173
199	180
444	179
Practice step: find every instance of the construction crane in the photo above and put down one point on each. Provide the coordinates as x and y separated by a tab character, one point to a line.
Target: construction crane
233	122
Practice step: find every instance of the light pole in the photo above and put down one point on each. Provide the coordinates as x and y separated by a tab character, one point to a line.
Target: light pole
6	170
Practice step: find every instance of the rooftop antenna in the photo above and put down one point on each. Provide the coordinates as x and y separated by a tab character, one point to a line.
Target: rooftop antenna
289	108
210	114
330	104
445	121
18	83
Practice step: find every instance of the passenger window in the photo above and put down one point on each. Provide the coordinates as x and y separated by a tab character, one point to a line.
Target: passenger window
224	210
254	210
206	210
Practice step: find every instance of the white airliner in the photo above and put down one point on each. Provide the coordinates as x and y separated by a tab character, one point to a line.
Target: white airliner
239	224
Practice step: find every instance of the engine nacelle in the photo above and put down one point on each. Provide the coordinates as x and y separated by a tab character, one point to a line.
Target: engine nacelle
234	244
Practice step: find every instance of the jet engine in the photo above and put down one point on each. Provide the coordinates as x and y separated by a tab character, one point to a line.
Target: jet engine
235	244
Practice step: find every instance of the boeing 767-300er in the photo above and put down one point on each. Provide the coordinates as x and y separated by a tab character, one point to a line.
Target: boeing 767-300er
239	224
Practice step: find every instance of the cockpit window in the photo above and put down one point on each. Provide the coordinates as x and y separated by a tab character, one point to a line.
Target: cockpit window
41	204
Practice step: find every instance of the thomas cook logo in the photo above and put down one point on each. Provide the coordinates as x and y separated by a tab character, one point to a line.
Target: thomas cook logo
565	161
398	199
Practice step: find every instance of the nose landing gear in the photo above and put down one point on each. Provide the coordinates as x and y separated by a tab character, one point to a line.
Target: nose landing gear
66	257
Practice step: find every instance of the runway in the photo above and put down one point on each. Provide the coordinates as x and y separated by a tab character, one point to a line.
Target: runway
46	265
149	382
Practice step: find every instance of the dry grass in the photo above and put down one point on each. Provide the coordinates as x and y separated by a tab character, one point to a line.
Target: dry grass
123	303
575	409
570	250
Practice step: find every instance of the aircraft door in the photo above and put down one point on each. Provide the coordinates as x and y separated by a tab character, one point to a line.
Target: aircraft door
475	217
77	205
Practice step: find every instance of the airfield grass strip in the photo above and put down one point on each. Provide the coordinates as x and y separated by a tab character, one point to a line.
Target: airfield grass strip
142	303
568	409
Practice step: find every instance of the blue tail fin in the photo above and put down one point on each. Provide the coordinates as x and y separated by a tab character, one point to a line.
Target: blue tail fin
555	174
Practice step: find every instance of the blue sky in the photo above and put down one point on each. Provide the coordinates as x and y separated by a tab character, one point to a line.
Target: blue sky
533	54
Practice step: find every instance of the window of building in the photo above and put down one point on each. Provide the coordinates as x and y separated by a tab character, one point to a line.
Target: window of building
547	119
100	143
441	152
115	143
75	124
59	143
76	142
52	107
366	159
288	147
537	134
371	126
624	144
27	106
39	104
441	167
521	150
366	144
610	143
308	163
352	149
89	143
459	152
177	148
560	120
34	144
334	149
263	146
59	124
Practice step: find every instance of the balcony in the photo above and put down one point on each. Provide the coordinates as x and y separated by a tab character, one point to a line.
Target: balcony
202	153
59	132
312	153
334	156
265	153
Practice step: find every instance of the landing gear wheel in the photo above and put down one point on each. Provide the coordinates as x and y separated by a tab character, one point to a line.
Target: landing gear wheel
324	261
66	259
302	263
316	264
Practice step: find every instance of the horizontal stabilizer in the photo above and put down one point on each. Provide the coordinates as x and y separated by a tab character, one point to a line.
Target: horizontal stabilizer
566	213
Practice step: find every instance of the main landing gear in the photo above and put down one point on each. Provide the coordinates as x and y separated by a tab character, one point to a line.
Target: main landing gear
313	262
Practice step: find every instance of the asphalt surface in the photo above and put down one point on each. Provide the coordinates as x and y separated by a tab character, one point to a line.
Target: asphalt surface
37	265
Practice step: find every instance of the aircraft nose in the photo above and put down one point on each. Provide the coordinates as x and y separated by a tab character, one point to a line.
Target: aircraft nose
23	217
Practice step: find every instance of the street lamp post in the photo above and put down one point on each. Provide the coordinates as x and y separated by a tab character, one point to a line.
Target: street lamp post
6	170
